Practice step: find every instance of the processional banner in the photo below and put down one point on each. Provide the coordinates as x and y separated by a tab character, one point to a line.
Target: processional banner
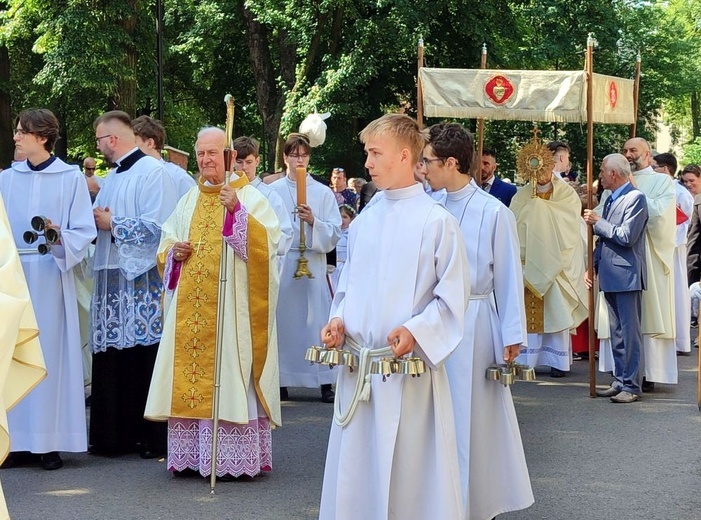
555	96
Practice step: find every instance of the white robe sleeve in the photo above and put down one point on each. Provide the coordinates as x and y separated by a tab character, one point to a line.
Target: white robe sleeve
661	197
327	225
439	327
81	231
508	280
287	233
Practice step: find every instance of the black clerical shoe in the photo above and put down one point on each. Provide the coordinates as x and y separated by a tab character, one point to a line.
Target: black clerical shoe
625	397
555	372
609	392
648	386
187	472
284	394
148	452
51	461
19	458
226	478
327	394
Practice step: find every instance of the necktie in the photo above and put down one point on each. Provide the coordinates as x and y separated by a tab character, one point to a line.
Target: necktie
607	206
485	186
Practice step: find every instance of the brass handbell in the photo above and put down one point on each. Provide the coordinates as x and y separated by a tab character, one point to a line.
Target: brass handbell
412	366
332	357
492	373
524	372
313	354
384	367
506	376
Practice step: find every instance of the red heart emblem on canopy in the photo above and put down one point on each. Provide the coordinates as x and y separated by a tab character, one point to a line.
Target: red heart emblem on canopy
499	89
613	94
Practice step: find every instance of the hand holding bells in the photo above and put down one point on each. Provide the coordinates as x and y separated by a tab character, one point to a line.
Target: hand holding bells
384	366
41	226
507	373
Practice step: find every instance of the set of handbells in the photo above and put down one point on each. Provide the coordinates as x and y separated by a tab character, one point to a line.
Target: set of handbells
40	228
506	374
385	366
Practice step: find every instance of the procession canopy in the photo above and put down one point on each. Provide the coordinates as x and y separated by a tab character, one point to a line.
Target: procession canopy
525	95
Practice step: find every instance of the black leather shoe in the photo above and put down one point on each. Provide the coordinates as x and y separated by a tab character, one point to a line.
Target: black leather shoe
19	458
284	394
147	452
187	472
555	372
327	394
226	478
609	392
51	461
648	386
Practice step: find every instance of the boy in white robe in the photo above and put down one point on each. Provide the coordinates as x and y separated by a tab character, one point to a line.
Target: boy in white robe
305	302
492	462
392	451
52	417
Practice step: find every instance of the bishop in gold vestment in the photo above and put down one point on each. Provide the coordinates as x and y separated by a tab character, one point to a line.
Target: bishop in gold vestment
183	381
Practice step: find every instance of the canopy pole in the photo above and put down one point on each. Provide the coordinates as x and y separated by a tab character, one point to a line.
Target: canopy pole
419	91
636	90
590	204
480	128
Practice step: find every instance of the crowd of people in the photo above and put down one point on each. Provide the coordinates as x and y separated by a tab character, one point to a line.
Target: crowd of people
206	292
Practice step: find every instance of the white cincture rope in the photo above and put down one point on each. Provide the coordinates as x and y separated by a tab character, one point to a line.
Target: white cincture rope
361	392
480	296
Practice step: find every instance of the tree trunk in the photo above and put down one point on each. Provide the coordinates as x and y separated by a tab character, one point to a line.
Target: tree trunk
270	99
125	97
7	145
695	116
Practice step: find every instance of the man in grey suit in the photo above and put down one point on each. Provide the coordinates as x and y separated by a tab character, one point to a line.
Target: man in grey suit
619	261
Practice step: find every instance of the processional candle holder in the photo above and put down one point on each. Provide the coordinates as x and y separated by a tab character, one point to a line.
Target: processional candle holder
302	262
40	228
506	374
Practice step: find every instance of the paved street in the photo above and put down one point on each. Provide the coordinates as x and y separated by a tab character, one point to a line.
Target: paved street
588	458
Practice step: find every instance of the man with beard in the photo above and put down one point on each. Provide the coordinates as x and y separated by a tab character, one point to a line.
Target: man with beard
492	184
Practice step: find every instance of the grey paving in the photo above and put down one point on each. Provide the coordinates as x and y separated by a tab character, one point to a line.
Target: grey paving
588	458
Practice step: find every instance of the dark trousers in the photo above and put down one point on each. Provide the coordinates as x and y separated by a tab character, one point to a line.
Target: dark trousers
625	316
120	384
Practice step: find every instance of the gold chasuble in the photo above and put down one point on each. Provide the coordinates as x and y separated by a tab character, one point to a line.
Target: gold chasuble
183	380
552	253
21	360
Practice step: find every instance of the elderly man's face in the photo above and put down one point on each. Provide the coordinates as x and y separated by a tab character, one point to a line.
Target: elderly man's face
210	157
637	153
89	167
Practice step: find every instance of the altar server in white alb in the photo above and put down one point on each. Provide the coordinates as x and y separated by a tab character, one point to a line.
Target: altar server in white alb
135	201
304	303
392	451
247	161
52	417
492	463
658	322
150	138
666	163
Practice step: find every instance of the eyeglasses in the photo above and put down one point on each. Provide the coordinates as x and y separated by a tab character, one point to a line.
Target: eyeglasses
98	138
298	155
20	132
426	162
89	169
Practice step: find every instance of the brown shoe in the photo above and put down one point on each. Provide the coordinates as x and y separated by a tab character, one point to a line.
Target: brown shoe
625	397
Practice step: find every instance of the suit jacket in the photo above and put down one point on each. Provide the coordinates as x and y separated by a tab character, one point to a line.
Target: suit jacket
502	191
366	193
693	259
619	256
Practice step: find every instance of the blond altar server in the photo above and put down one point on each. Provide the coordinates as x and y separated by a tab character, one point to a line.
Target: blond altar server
305	302
552	254
183	381
21	360
52	418
392	450
493	467
658	305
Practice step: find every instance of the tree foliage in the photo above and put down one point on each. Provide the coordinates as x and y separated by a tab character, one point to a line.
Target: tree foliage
284	59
